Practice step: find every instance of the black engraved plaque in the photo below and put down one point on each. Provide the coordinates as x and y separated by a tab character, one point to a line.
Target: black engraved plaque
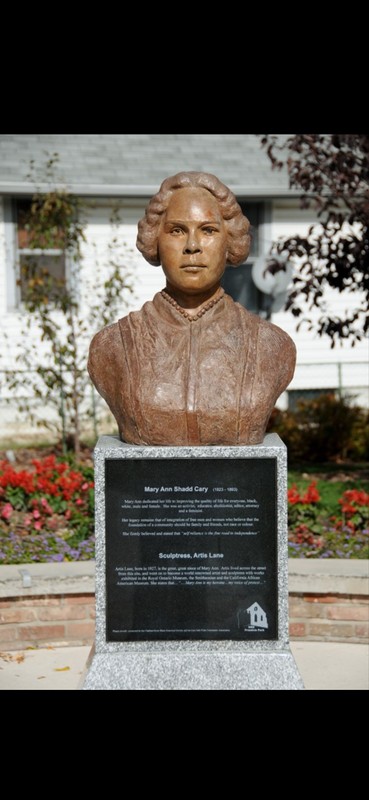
191	549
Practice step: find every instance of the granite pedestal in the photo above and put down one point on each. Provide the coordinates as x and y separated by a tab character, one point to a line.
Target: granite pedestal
191	568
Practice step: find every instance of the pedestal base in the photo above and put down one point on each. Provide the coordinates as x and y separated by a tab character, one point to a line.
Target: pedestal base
225	621
191	670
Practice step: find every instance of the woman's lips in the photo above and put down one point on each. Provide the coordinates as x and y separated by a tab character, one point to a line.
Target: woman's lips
193	267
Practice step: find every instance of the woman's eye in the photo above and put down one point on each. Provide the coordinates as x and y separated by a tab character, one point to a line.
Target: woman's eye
176	230
209	230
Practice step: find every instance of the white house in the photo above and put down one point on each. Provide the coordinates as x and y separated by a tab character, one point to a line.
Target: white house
106	170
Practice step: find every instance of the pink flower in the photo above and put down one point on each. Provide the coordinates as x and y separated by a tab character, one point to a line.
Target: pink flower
79	502
37	525
84	486
45	506
7	511
36	514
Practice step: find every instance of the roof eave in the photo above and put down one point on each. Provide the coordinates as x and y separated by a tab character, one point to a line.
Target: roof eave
132	190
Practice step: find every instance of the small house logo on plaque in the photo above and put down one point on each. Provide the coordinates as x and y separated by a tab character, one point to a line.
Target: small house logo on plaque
258	617
253	618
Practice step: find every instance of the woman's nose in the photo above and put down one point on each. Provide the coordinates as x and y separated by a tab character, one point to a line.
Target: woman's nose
192	244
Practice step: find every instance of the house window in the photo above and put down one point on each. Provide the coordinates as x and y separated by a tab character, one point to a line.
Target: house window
47	259
294	395
238	282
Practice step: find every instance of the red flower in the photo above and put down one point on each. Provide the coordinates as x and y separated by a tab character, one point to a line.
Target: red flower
360	498
293	495
347	508
311	495
21	479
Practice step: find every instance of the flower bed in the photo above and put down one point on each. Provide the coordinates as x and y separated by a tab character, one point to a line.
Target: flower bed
46	512
314	532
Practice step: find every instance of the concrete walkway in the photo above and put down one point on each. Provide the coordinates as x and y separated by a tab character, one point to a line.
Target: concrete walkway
322	665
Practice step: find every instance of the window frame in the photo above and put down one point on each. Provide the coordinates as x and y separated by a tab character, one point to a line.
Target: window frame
14	252
263	239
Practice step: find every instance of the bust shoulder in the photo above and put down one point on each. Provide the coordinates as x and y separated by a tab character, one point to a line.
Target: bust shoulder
275	339
106	335
276	357
272	339
104	353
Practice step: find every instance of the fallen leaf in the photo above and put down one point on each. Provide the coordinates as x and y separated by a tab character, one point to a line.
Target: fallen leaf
61	669
6	656
11	657
40	677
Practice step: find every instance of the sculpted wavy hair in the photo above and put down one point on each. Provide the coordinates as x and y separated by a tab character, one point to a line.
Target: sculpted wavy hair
236	223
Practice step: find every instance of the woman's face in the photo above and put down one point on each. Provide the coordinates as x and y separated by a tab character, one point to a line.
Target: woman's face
192	241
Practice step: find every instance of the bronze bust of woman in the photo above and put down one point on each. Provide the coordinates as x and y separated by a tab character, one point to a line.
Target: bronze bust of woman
192	367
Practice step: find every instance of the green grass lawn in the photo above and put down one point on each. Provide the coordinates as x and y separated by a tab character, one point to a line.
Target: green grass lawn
331	480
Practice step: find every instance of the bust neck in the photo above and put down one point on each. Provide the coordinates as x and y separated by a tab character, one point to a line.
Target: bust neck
198	312
193	303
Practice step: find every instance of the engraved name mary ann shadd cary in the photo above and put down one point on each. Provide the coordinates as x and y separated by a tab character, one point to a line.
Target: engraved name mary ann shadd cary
192	367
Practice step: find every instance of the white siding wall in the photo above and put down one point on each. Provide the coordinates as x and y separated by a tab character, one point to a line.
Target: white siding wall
97	252
145	279
316	362
2	262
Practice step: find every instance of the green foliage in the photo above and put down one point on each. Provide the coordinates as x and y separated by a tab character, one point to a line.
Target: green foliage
326	428
358	447
331	171
62	314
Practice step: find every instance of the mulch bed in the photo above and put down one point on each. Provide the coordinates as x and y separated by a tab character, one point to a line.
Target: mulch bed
22	457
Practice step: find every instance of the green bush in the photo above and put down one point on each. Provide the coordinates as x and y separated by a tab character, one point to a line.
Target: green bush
358	447
326	428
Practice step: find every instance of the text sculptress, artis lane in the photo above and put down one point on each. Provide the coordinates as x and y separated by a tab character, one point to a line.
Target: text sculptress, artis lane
192	367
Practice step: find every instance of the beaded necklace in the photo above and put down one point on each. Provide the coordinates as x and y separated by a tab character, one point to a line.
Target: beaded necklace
193	317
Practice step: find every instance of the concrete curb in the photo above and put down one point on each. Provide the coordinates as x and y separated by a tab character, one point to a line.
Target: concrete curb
328	576
25	580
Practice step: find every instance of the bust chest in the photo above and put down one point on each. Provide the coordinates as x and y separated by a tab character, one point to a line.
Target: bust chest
189	383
